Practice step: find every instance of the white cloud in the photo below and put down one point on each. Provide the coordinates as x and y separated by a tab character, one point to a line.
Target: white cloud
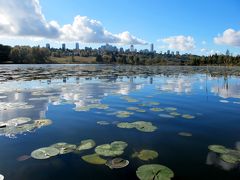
181	43
25	19
204	42
229	37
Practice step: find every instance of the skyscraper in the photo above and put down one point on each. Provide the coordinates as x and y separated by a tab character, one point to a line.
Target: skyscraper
132	48
63	46
151	48
77	46
48	46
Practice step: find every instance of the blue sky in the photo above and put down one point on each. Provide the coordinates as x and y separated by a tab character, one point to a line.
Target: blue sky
166	23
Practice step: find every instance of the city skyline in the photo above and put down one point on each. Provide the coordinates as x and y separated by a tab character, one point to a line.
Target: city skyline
199	27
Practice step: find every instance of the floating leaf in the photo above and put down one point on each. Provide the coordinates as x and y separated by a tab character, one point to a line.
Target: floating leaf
116	148
42	122
154	103
175	114
165	116
132	108
44	153
64	148
94	159
154	172
117	163
218	149
23	158
187	116
141	110
229	158
123	114
104	123
86	144
170	109
186	134
146	154
139	125
17	121
156	109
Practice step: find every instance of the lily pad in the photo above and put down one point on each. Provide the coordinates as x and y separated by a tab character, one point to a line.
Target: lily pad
229	158
165	116
139	125
17	121
146	155
132	108
154	171
94	159
64	148
86	144
154	103
42	122
141	110
156	109
188	116
186	134
44	153
117	163
175	114
116	148
218	149
123	114
170	109
104	123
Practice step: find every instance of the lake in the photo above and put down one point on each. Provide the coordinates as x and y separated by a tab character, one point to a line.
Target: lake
186	119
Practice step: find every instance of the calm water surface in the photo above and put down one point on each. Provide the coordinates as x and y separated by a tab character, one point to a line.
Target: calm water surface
212	101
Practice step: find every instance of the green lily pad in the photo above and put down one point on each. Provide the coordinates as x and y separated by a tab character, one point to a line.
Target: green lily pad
44	153
154	172
86	144
123	114
170	109
141	110
139	125
218	149
94	159
186	134
154	103
165	116
104	123
17	121
132	108
156	109
229	158
129	99
116	148
187	116
117	163
147	155
175	114
64	148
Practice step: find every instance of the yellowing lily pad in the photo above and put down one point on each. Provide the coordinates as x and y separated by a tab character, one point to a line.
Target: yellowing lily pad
42	122
94	159
188	116
156	109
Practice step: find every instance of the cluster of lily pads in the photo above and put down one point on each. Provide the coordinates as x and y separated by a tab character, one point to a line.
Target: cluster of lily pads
20	125
139	125
231	156
91	106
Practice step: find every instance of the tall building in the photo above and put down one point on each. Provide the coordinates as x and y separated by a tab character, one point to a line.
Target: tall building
132	48
177	53
121	50
48	46
168	52
151	48
63	46
77	46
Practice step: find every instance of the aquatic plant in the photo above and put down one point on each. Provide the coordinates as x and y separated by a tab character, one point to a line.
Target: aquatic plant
117	163
139	125
44	153
94	159
154	171
86	144
146	154
186	134
116	148
64	148
218	149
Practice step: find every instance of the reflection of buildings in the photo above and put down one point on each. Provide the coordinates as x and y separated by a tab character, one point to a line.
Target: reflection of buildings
227	90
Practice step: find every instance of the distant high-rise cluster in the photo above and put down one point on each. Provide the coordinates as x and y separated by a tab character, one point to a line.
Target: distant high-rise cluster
77	46
151	48
63	46
48	46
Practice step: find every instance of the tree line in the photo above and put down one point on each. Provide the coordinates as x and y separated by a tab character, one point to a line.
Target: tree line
38	55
